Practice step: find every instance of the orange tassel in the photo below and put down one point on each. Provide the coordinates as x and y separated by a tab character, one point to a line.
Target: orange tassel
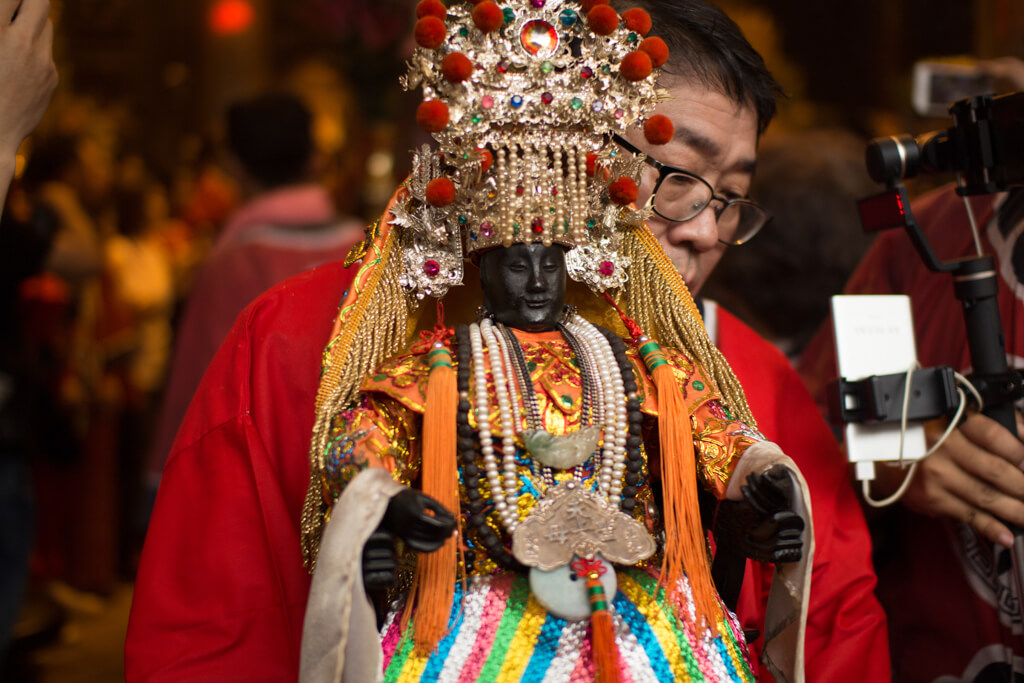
602	631
606	652
685	545
434	588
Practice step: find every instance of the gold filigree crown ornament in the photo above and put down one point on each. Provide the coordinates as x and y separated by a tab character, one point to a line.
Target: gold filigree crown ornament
522	97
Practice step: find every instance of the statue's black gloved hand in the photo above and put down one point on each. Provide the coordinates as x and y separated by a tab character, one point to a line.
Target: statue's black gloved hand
419	520
380	561
414	517
763	526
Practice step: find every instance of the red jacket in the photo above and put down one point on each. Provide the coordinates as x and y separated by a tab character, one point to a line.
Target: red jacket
221	590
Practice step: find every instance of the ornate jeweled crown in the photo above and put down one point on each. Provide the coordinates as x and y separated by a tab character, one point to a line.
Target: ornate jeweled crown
522	97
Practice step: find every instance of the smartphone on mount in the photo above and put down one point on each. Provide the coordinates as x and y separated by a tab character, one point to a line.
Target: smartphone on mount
939	83
874	335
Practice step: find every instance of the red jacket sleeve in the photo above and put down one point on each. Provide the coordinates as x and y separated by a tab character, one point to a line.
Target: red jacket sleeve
221	590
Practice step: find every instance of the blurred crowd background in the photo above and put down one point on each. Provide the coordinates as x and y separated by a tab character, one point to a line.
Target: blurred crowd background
131	171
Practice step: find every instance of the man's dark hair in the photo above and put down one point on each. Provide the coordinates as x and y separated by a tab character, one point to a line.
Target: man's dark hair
270	135
705	45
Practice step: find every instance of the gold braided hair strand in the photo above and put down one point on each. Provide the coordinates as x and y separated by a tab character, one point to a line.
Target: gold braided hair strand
658	299
375	329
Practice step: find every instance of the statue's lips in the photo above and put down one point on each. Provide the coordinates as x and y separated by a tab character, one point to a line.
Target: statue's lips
536	303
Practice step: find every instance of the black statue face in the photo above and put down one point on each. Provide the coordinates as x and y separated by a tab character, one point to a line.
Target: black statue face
524	285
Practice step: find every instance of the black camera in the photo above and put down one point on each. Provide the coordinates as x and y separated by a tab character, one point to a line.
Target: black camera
985	145
985	148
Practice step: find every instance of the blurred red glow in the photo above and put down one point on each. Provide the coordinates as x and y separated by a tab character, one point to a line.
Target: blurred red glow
228	17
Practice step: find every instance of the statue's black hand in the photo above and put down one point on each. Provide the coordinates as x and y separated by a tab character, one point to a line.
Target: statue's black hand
776	534
777	538
770	491
380	561
419	520
763	526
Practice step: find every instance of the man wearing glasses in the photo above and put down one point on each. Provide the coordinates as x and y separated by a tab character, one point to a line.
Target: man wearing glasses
696	185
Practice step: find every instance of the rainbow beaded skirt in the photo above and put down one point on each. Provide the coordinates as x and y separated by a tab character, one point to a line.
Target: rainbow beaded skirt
498	633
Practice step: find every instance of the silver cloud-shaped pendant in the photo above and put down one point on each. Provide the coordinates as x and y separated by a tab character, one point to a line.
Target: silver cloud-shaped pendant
573	521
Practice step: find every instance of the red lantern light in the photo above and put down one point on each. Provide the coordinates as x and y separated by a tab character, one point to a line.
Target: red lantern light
231	17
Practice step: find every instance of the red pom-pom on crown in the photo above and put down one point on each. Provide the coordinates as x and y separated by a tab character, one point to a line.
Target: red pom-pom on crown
488	17
656	49
587	5
430	32
636	20
432	116
486	160
636	66
602	20
659	129
456	67
440	192
623	191
431	8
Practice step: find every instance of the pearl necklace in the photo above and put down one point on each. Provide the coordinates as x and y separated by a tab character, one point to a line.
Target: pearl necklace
610	411
509	516
613	457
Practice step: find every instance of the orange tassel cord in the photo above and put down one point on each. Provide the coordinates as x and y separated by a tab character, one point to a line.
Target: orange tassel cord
434	582
605	651
685	543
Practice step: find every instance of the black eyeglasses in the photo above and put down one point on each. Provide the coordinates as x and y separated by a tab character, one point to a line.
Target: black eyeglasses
679	196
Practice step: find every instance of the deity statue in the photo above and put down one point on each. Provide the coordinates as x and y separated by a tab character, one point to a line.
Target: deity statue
541	459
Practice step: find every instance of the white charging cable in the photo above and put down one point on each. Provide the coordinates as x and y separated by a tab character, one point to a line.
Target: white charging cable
962	383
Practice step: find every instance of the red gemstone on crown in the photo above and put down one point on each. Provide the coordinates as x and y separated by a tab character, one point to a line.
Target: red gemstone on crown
539	37
606	268
537	226
431	268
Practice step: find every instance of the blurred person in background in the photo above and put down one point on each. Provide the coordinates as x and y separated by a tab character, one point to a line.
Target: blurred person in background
27	76
202	197
138	265
943	553
27	81
65	173
286	224
30	422
71	176
810	183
